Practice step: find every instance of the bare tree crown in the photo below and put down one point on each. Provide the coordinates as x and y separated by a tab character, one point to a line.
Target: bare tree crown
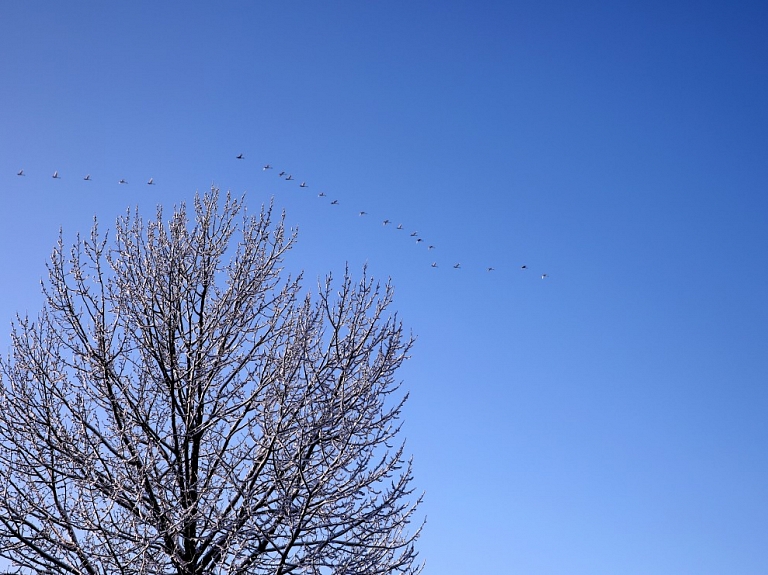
178	407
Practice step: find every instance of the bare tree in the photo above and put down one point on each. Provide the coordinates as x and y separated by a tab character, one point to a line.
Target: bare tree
177	407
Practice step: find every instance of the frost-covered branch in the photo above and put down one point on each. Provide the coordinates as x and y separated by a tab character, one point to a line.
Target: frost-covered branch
180	407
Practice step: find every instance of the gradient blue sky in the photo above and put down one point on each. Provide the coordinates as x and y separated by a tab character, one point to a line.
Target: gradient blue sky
609	419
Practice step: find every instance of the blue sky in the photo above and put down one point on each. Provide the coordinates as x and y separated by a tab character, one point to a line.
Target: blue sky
608	419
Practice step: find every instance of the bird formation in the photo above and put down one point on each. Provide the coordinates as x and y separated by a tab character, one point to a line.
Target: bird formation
335	202
386	222
87	178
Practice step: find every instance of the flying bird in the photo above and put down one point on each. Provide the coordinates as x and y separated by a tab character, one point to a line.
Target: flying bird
122	181
431	247
87	177
56	175
544	276
457	266
419	240
385	222
414	234
20	173
289	178
281	174
239	156
399	226
335	203
303	185
363	213
434	264
523	267
321	195
490	269
267	167
151	182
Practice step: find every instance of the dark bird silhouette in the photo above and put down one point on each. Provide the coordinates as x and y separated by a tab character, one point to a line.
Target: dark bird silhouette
363	213
414	234
303	185
385	222
281	174
399	226
87	177
431	247
457	266
434	264
523	267
240	156
56	175
20	173
267	167
544	276
289	178
490	269
335	203
321	195
151	182
419	240
122	181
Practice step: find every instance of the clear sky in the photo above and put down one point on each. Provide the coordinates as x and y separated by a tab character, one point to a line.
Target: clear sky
608	419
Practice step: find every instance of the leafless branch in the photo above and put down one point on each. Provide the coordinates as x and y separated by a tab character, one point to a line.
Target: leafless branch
180	407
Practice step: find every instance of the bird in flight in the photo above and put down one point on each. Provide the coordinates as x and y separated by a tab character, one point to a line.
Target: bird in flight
56	175
434	264
267	167
321	195
151	182
303	185
490	269
363	213
431	247
385	222
281	174
87	177
335	203
289	178
20	173
122	181
240	156
399	226
523	267
544	276
457	266
414	234
419	240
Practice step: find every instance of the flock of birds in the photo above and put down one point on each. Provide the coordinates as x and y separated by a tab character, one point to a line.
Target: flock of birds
289	177
87	177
